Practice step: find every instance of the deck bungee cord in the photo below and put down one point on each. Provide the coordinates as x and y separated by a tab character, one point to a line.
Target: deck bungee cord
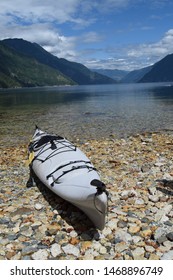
33	147
67	164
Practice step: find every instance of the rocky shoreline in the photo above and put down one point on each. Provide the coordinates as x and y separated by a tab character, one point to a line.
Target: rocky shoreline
138	172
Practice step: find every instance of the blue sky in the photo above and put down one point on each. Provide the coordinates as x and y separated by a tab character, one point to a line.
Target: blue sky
112	34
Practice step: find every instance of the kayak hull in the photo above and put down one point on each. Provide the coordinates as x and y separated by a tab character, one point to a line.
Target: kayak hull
68	172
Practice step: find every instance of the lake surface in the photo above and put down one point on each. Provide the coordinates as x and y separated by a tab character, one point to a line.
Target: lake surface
85	112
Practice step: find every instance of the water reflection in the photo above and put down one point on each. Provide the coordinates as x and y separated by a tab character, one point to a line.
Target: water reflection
42	96
86	111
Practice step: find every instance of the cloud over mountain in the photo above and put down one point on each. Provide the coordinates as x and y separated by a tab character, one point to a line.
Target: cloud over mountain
124	34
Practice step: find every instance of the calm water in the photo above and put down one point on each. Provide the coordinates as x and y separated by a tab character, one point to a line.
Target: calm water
85	111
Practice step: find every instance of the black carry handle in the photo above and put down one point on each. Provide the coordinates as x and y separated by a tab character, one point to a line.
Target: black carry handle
100	186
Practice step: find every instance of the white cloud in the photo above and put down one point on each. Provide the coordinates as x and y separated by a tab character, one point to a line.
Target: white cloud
60	11
35	21
46	36
136	56
40	10
156	50
91	37
41	21
63	47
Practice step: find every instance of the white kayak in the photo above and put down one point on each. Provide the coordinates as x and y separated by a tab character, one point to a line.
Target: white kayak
67	171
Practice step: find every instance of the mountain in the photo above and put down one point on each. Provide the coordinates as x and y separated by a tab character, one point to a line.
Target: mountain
162	71
135	75
21	71
115	74
76	73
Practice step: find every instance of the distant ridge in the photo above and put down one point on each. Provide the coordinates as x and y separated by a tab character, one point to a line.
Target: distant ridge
17	70
162	71
74	73
136	75
115	74
26	64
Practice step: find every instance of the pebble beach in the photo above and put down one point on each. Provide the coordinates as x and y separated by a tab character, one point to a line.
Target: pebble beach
138	171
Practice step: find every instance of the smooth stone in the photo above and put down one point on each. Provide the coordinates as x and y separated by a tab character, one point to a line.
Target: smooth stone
168	244
28	232
55	250
120	247
153	198
131	214
73	233
136	239
167	209
155	210
167	255
139	201
102	250
121	224
15	218
170	236
145	220
4	241
12	237
96	246
138	253
35	225
145	168
161	231
28	250
112	224
106	231
2	252
71	249
9	255
164	219
154	257
38	206
16	229
134	229
53	229
146	232
161	239
41	254
122	236
86	245
149	249
4	221
60	238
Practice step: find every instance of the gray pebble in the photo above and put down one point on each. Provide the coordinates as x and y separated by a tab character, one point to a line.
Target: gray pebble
161	239
122	224
167	255
28	250
140	215
12	237
4	221
170	236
